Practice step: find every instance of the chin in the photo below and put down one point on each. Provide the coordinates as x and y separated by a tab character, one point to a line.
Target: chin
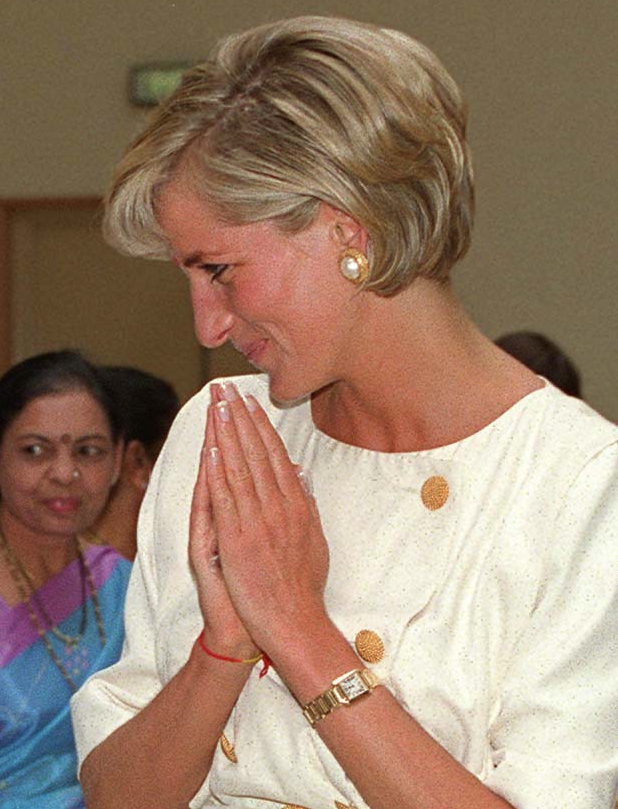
286	392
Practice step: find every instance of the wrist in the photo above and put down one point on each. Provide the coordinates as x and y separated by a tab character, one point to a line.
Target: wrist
226	658
295	634
227	645
201	646
311	660
343	691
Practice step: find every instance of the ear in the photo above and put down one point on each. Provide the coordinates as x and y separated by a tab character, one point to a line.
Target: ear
344	230
118	462
136	465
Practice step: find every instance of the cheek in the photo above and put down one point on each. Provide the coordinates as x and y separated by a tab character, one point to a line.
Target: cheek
97	481
16	481
19	498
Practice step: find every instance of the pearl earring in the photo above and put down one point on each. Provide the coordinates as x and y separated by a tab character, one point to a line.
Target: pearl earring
353	265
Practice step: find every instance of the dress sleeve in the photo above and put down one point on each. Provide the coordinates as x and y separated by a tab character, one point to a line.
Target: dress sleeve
554	737
114	695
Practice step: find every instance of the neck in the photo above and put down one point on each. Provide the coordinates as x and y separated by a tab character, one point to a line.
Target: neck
426	376
42	555
117	526
26	563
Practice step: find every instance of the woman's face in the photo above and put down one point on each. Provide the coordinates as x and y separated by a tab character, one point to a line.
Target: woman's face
277	297
57	464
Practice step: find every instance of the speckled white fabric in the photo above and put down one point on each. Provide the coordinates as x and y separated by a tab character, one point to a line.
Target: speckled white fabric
498	611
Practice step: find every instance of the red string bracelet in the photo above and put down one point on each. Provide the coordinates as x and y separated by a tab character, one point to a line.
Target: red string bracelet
264	658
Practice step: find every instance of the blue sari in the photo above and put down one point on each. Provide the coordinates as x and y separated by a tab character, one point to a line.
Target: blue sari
38	764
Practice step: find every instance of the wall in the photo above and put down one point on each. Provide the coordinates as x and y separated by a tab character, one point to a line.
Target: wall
540	78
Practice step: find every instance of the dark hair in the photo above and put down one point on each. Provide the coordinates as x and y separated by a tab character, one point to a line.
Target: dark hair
544	357
55	372
147	404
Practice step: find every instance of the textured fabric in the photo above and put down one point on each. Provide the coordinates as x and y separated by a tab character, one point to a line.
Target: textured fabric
38	765
497	605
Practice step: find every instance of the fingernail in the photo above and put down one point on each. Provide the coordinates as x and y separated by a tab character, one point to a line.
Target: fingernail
229	391
214	392
223	410
214	455
251	403
305	481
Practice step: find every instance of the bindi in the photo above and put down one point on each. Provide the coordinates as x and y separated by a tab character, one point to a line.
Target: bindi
65	439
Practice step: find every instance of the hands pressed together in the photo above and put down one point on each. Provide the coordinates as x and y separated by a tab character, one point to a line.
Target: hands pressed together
256	543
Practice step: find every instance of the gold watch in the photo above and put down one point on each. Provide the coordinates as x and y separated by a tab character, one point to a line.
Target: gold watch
344	690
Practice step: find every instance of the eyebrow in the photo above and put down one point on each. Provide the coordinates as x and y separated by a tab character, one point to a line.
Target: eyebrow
87	437
198	257
193	259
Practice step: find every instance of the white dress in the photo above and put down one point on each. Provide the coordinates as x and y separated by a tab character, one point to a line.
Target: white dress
488	569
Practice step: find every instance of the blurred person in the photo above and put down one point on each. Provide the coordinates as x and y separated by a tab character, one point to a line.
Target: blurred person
544	357
147	406
61	598
380	573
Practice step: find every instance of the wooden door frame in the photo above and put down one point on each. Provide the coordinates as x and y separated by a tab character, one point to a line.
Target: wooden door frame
8	209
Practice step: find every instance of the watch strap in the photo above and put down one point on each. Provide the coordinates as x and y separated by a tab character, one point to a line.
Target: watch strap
343	691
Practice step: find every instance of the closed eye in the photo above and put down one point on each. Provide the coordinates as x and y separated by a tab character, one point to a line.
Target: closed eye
214	270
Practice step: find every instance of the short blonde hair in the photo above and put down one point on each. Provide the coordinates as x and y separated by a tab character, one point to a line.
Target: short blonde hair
305	110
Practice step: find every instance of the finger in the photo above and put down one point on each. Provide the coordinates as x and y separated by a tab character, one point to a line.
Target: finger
202	539
222	486
255	454
305	481
234	455
215	393
285	471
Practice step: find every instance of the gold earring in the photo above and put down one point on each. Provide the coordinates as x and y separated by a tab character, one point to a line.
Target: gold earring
353	265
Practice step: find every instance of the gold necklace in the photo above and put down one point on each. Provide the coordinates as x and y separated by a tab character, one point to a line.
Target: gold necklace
16	567
21	578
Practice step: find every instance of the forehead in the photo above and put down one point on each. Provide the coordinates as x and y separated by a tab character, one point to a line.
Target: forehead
63	417
193	226
180	211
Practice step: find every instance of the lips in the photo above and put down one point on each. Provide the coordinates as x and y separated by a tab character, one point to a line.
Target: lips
62	505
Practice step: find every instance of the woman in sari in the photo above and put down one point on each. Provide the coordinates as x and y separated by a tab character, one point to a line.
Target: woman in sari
61	597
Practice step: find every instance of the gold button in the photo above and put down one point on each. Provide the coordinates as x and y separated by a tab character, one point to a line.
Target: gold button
369	646
228	748
339	805
434	492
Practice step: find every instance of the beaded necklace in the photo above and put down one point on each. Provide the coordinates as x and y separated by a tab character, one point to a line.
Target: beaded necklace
27	592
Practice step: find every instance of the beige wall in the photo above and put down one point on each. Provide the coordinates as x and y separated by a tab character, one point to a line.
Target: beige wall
540	77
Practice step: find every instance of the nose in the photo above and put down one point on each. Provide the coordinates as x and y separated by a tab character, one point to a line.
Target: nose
212	317
62	467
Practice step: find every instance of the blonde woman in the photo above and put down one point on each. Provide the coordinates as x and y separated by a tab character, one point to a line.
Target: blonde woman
381	572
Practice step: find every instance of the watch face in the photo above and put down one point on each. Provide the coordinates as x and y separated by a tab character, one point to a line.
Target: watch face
353	686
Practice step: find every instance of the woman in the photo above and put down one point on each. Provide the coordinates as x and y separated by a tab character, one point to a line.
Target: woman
436	624
544	357
148	405
61	598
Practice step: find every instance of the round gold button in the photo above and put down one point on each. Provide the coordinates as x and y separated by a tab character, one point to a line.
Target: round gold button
228	748
369	646
434	492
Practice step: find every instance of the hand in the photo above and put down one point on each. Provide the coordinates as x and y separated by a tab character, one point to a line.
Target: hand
222	626
273	554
